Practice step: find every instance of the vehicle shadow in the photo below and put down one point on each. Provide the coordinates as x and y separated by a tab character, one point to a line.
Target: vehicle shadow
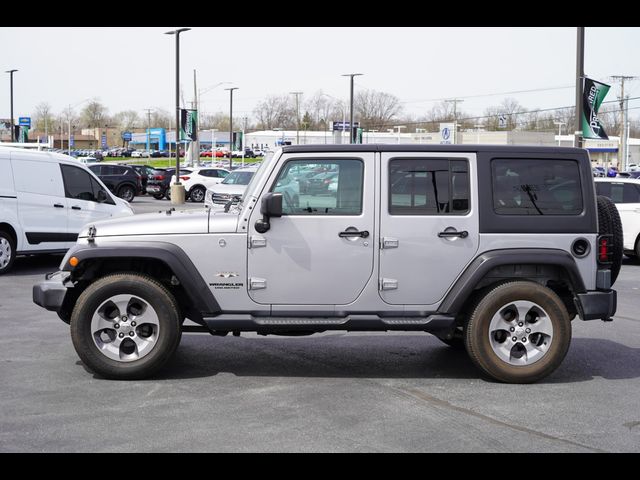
378	356
34	265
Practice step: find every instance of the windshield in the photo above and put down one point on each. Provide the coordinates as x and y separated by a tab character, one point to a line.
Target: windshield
238	178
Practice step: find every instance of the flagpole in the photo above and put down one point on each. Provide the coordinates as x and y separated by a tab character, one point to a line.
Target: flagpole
579	79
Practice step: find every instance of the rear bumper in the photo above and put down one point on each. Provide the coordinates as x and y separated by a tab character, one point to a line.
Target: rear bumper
50	292
597	305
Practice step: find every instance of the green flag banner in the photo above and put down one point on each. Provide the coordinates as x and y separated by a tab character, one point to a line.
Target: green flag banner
189	121
593	94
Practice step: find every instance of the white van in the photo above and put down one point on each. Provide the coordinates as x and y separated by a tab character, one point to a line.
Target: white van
45	200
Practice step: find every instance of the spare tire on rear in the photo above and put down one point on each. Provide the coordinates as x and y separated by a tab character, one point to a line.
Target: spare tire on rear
609	223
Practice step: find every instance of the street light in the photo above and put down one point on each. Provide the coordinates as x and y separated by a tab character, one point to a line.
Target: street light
177	189
10	72
297	94
560	124
231	124
351	108
399	127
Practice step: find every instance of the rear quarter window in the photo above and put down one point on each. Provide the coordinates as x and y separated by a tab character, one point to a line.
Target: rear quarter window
536	187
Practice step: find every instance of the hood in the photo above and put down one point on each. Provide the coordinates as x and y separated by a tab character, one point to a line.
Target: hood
228	189
185	222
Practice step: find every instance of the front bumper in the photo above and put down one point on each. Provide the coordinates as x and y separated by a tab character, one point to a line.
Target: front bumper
597	305
50	292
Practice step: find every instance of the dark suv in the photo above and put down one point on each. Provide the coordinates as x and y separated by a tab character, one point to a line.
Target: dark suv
122	180
159	182
146	172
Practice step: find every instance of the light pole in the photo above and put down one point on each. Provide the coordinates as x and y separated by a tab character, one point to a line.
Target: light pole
351	102
419	131
10	72
177	189
560	124
297	94
231	89
399	127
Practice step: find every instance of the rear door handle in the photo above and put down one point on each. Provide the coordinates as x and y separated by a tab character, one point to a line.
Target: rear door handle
58	205
462	234
75	207
363	234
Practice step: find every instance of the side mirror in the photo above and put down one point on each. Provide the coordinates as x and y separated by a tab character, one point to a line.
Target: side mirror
271	206
102	196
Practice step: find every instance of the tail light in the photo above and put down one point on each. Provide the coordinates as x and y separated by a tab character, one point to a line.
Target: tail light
185	178
158	177
605	249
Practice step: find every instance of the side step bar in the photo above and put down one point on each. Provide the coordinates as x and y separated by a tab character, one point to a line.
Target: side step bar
436	323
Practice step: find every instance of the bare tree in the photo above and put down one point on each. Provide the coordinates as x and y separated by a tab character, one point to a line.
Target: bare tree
94	115
276	111
376	110
43	117
319	107
126	120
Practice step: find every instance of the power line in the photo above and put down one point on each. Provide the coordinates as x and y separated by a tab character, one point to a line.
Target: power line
492	94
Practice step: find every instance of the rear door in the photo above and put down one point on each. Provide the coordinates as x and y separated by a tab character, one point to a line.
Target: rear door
429	224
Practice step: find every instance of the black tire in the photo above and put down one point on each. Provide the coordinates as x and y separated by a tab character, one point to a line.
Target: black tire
609	223
140	286
7	251
197	193
127	193
167	193
158	196
479	342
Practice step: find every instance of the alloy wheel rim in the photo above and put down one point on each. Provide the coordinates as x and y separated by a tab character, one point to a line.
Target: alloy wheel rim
520	333
5	252
125	328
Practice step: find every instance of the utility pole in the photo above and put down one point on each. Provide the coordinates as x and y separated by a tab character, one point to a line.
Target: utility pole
297	94
455	102
622	148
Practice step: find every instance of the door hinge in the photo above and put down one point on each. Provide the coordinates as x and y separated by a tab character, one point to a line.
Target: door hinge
257	283
389	242
257	242
388	284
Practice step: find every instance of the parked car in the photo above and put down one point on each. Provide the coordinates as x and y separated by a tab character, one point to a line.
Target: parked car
144	171
87	160
159	183
45	200
140	154
612	172
122	180
635	174
196	182
633	167
599	171
625	193
462	255
231	188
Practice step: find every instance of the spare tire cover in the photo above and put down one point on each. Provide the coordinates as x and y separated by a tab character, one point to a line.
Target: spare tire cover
609	223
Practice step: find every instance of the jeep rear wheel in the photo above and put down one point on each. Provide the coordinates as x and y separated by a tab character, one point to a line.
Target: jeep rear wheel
125	326
519	332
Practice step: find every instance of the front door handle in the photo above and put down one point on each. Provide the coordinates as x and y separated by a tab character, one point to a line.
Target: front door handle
453	233
354	233
75	207
58	205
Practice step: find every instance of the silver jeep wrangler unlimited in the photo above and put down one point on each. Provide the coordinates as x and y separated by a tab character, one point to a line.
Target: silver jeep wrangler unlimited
494	248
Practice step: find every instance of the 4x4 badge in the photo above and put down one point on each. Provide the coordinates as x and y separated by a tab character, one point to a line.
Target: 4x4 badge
226	274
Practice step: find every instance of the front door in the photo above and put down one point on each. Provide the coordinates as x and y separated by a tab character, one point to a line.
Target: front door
321	251
429	224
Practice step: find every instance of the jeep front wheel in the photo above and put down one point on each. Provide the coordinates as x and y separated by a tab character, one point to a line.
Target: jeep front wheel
125	326
519	332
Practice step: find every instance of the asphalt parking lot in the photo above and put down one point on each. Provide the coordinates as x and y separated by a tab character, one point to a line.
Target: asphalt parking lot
332	392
